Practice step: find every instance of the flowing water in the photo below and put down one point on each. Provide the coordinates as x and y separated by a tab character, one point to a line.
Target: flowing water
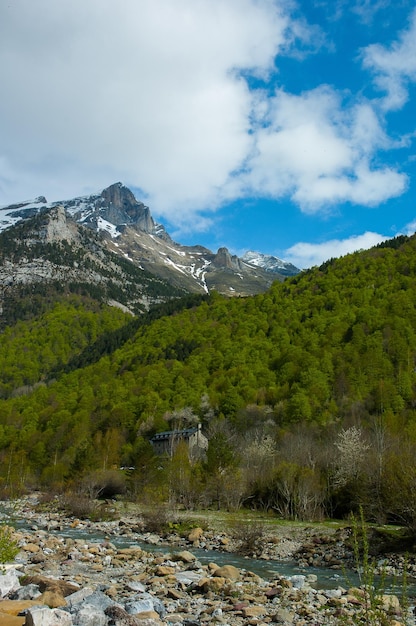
326	578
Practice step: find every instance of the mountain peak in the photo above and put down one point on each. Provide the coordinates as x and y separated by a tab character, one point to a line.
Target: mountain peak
270	263
224	259
119	195
127	229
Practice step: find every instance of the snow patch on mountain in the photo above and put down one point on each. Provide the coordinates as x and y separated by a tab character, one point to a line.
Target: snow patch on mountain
269	263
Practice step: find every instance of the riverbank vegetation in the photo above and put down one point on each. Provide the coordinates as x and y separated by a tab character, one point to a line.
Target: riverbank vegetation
306	393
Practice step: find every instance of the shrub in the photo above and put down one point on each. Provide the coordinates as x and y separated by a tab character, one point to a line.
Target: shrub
82	507
249	536
104	484
8	546
372	593
156	520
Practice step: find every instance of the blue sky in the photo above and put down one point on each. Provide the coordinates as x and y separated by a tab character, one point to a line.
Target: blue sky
282	126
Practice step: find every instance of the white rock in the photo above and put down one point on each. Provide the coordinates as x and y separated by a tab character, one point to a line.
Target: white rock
79	596
333	593
298	581
44	616
9	582
89	615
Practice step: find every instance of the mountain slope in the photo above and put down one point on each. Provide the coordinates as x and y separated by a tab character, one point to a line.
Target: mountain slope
128	230
50	254
333	344
282	381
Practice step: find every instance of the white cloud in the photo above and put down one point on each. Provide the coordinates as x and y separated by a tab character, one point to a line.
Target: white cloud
394	67
368	9
145	90
306	255
152	92
410	229
319	151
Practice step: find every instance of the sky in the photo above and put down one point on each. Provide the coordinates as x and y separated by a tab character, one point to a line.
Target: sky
286	127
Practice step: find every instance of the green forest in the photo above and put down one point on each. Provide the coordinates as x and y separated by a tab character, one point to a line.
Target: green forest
306	394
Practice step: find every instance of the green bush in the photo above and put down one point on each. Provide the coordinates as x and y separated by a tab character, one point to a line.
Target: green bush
8	546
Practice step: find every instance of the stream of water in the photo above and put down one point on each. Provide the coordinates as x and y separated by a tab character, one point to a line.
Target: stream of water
327	578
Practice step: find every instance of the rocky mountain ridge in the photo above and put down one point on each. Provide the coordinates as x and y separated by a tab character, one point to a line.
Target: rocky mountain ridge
50	254
125	227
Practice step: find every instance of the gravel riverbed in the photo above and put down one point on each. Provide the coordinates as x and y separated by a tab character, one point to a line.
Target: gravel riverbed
80	573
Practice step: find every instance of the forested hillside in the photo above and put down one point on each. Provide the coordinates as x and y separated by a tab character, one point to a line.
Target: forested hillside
306	392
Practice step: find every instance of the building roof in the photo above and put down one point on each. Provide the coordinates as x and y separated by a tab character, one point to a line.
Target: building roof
168	434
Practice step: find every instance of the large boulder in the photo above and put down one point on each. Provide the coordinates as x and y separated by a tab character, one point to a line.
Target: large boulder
11	620
51	584
44	616
228	571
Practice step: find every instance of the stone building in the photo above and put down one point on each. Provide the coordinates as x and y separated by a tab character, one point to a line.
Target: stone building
165	443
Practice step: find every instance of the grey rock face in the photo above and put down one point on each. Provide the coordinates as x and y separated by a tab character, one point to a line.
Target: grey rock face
121	207
145	602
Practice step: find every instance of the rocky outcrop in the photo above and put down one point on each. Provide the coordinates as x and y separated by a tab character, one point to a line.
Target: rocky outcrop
58	228
121	207
225	260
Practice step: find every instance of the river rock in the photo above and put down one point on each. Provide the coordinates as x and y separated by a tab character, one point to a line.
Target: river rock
164	570
14	607
9	582
120	617
88	615
79	596
52	599
145	602
284	616
99	600
195	535
187	577
253	611
228	571
298	581
134	585
44	616
51	584
28	592
11	620
211	584
175	618
147	615
185	556
31	547
390	604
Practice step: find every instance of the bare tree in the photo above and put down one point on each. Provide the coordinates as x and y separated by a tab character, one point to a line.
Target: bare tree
351	456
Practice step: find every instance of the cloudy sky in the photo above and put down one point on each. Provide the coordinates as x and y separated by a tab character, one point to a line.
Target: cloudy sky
282	126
